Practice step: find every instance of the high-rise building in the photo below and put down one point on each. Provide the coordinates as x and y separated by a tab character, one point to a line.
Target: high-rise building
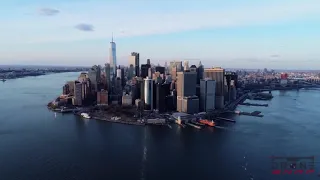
200	71
119	73
174	72
207	95
150	73
85	89
190	105
142	90
230	77
77	98
102	97
148	93
166	68
186	83
148	61
186	66
193	68
108	78
113	57
83	76
162	91
71	87
144	70
177	64
94	76
217	74
186	87
127	100
130	72
160	69
65	89
123	79
134	60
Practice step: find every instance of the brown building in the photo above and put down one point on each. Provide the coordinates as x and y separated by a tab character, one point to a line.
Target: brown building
71	87
174	73
217	74
179	103
102	97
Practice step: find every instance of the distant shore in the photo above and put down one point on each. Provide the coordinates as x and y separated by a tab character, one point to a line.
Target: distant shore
22	73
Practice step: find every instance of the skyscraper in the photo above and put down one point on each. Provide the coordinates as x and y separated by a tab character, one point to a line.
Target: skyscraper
112	57
130	72
200	71
186	65
177	64
217	74
94	76
148	93
144	70
207	94
186	83
134	60
186	89
160	69
108	79
77	98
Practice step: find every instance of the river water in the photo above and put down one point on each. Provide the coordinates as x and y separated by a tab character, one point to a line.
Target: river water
37	145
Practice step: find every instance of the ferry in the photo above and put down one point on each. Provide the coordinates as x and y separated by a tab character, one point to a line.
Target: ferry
85	115
207	122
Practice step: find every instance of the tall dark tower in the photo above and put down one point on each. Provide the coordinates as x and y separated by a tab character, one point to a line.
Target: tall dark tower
148	61
200	71
108	79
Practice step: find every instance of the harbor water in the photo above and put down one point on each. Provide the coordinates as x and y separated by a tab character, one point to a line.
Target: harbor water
37	144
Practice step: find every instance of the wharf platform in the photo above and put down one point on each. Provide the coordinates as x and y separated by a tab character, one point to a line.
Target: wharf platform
252	104
119	121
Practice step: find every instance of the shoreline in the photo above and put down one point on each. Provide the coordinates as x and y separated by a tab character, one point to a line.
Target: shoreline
36	75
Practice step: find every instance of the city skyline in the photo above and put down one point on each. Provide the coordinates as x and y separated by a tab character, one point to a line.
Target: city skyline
243	34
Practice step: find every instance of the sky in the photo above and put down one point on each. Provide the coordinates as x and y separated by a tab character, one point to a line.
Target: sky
281	34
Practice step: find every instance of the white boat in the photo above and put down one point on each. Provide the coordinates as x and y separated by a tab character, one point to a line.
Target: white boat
85	115
115	118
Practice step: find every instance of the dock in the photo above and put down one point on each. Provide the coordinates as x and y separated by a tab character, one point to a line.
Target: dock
119	121
255	113
225	119
252	104
192	125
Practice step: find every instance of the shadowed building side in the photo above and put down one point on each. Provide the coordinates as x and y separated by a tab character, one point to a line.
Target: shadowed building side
217	74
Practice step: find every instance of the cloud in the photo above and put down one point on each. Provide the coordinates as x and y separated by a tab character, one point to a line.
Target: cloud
48	12
148	21
84	27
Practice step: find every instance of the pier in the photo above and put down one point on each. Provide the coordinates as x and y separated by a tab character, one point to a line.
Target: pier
225	119
252	104
192	125
119	121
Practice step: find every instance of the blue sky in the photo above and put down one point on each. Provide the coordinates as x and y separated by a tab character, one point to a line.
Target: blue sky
231	33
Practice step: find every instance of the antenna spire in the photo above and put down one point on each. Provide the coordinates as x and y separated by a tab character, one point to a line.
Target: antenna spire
112	37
